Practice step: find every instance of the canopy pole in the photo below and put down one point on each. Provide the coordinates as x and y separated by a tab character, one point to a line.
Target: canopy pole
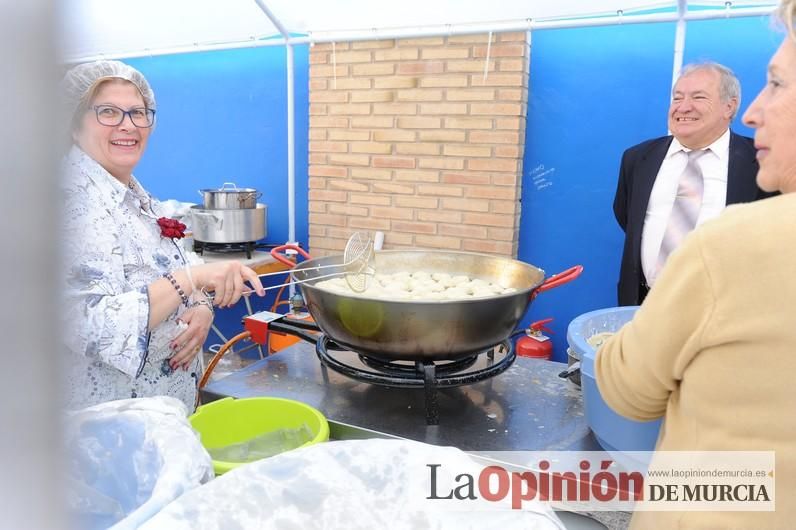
679	40
291	148
679	44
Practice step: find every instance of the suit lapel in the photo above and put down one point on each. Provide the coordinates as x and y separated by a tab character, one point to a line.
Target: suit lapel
643	179
648	168
741	171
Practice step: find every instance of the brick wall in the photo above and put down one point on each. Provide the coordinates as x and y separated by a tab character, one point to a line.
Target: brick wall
408	137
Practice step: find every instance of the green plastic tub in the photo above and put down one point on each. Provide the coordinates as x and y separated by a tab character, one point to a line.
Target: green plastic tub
229	421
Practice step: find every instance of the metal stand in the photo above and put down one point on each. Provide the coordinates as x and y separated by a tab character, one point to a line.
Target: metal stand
430	385
246	246
426	374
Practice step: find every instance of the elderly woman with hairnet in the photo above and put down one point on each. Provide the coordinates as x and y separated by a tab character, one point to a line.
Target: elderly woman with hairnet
713	347
136	313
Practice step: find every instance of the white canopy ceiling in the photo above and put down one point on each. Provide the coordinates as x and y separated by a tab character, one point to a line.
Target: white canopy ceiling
96	28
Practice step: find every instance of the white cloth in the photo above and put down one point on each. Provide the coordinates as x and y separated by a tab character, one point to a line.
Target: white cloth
112	251
714	165
351	485
128	459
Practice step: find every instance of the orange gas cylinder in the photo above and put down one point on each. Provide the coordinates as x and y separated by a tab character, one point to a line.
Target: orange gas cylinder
279	341
535	344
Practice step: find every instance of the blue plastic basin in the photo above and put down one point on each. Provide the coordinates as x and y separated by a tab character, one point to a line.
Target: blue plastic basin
613	432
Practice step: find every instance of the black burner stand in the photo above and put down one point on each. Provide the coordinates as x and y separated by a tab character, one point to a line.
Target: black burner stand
425	374
248	247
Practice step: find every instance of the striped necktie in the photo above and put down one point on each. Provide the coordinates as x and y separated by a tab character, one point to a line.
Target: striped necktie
685	210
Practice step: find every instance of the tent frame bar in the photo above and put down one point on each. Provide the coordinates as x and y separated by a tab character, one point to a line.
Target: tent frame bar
435	31
291	120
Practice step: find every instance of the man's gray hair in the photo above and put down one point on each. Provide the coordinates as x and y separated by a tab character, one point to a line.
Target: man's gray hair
729	86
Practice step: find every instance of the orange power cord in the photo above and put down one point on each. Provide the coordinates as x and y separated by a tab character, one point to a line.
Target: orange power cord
217	357
241	336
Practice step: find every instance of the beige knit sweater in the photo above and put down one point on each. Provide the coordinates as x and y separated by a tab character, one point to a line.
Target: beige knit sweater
713	349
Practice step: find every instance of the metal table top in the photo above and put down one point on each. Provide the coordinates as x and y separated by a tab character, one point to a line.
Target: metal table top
526	408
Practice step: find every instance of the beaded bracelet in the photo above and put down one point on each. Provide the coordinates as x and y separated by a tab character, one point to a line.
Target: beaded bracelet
177	287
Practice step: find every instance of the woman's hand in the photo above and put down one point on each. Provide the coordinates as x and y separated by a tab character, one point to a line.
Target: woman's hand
189	343
226	279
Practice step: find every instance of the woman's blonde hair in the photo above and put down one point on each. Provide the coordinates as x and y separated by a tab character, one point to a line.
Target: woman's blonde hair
787	15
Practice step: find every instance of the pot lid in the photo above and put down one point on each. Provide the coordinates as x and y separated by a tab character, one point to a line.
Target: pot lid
228	190
229	187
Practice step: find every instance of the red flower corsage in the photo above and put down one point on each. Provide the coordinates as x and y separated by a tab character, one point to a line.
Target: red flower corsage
171	228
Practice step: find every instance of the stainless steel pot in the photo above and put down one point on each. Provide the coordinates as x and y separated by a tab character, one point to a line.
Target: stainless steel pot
228	226
229	197
573	368
426	330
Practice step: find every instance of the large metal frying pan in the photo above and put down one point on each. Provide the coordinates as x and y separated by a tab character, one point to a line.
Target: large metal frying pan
425	330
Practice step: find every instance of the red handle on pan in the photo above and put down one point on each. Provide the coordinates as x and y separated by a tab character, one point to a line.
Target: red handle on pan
275	253
558	279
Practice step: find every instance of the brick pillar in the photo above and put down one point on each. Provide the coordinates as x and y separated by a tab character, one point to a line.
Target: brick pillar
411	138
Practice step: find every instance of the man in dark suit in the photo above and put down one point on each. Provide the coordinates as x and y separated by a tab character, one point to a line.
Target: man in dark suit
705	99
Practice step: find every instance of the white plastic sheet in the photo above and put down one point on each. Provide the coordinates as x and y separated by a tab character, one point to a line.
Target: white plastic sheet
130	458
358	484
176	209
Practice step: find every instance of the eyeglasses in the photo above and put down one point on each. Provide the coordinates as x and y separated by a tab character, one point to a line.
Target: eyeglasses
111	116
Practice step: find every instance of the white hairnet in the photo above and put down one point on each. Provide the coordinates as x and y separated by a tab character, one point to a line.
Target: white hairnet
79	81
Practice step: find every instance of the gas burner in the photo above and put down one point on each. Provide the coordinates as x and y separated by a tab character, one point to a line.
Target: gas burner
248	247
408	370
426	374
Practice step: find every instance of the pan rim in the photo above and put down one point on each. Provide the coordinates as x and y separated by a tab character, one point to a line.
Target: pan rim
308	264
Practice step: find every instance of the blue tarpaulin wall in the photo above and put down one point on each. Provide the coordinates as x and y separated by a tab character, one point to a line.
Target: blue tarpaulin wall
593	93
222	117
